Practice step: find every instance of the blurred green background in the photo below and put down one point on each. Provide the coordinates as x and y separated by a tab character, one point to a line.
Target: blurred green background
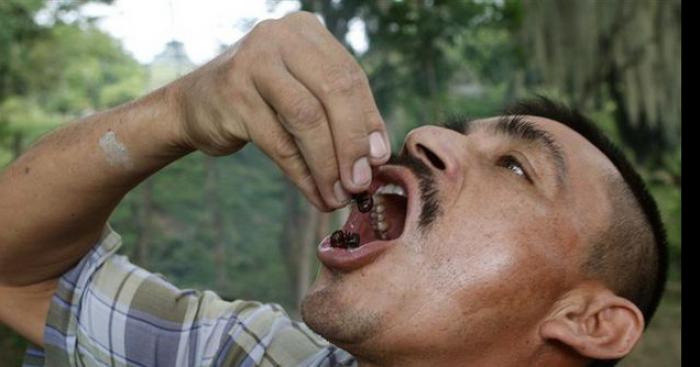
234	224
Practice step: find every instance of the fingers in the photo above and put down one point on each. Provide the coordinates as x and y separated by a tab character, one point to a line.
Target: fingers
313	111
304	118
326	69
281	147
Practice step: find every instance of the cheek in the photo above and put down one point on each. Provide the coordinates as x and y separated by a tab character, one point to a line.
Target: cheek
496	226
461	290
476	254
493	259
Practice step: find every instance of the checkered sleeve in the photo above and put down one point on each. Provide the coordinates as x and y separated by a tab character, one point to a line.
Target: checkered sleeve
109	312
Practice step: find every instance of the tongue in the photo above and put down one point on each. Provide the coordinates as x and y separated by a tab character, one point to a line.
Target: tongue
360	223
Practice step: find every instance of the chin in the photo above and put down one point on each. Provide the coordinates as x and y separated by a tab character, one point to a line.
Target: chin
337	319
344	305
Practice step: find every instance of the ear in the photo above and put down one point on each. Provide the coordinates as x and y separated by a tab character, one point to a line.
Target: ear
595	323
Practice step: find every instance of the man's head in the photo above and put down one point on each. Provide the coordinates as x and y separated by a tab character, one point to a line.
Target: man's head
525	239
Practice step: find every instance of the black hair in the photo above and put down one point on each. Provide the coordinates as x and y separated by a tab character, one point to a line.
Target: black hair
648	269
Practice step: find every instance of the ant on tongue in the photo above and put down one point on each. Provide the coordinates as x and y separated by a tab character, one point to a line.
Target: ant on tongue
347	239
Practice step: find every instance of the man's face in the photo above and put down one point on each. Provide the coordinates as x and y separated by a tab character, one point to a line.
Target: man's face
479	268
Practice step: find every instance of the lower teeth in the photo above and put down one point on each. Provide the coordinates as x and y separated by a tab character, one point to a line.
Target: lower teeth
365	203
380	235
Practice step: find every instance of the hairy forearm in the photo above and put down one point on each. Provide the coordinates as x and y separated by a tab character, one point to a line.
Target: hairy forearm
56	198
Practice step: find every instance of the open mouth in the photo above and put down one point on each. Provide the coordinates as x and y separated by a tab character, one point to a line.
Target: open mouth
366	235
384	221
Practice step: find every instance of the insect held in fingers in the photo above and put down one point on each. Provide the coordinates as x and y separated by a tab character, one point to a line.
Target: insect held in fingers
364	202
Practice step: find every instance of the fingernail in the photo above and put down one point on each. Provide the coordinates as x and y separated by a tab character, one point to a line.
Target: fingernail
361	172
377	146
340	193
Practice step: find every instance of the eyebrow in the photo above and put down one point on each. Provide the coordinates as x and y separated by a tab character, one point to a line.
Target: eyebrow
517	127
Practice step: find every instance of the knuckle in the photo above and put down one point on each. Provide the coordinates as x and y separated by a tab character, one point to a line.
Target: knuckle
257	45
306	114
265	26
328	170
284	150
294	168
353	148
287	155
302	16
342	79
306	182
234	87
373	119
238	93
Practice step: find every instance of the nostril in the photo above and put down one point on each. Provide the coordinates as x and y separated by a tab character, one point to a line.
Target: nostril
432	157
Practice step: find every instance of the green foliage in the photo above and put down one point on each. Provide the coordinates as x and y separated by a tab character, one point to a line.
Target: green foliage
12	347
665	185
663	181
25	115
70	71
182	246
18	29
427	60
49	74
431	60
82	69
629	50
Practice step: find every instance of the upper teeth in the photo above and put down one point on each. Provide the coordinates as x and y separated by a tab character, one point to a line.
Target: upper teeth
379	223
391	189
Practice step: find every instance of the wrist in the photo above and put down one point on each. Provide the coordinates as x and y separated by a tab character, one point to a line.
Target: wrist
166	105
202	118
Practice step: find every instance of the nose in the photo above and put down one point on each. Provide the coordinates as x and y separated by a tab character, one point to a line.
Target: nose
437	147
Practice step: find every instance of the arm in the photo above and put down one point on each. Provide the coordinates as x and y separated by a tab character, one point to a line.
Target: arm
57	197
288	86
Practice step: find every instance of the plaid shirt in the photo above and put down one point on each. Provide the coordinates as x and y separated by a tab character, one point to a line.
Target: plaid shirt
109	312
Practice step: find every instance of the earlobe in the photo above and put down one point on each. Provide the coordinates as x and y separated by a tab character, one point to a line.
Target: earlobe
595	323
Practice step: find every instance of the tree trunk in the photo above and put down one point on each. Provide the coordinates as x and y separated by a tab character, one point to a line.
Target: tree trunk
638	136
336	18
17	139
211	188
432	82
145	224
303	228
306	252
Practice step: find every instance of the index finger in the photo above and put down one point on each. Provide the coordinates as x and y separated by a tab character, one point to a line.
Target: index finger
318	61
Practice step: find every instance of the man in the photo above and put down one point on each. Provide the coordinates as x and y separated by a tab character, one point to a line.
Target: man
519	240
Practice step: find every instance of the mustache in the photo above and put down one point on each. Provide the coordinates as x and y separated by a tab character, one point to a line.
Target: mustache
430	203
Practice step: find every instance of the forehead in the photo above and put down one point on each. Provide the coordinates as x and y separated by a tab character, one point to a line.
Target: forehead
588	169
579	152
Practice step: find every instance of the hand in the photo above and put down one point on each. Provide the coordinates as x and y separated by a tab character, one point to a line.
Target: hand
291	88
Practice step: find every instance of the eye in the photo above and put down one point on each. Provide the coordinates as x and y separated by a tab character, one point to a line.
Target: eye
513	164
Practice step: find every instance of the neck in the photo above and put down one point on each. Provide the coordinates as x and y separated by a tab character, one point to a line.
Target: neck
416	360
546	356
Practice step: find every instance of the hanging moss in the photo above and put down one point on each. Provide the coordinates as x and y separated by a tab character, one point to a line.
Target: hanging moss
584	47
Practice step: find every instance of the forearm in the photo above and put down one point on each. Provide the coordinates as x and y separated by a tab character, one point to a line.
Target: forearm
56	198
288	87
